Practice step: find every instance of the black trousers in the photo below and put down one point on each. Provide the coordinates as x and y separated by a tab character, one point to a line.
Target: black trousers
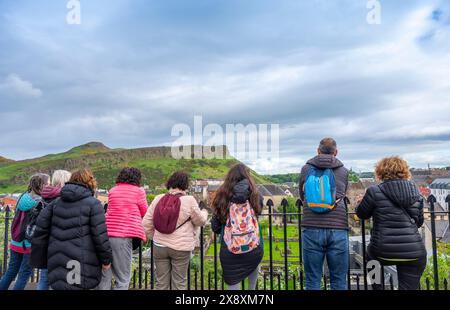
408	273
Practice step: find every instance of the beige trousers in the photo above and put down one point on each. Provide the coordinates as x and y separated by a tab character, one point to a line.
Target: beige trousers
171	267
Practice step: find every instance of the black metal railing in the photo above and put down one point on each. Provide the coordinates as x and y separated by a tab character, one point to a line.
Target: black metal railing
276	274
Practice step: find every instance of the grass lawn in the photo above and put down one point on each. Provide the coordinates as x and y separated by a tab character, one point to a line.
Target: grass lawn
277	247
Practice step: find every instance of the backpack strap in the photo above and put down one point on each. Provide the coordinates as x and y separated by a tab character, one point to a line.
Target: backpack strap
188	220
20	198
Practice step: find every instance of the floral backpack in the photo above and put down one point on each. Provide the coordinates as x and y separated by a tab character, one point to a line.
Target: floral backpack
241	232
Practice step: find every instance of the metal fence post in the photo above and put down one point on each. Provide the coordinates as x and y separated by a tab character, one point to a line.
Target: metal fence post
202	263
6	239
363	235
215	263
270	205
299	205
152	268
189	276
140	265
432	201
284	203
349	280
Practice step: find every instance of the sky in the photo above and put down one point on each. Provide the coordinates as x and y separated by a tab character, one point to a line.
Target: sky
135	68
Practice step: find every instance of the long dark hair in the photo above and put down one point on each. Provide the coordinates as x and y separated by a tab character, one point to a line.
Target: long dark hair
221	202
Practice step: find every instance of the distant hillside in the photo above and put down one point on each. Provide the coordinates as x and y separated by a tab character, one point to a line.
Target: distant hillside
156	164
4	160
283	178
294	177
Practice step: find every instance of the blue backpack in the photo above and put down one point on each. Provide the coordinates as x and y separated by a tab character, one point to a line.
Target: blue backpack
320	190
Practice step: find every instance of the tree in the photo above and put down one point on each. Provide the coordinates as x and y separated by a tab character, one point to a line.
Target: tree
292	208
353	177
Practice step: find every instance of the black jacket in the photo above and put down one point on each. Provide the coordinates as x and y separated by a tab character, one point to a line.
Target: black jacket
74	229
336	218
397	210
237	267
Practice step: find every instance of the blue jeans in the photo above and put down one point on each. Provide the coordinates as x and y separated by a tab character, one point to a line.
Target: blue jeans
43	280
18	265
319	243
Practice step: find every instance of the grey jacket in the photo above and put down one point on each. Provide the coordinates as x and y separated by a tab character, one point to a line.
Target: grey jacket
336	218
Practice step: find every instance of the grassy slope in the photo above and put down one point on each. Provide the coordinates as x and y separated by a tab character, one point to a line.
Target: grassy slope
155	170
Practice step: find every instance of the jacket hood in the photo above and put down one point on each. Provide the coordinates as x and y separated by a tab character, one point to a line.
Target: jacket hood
50	192
241	192
27	202
325	161
403	193
72	192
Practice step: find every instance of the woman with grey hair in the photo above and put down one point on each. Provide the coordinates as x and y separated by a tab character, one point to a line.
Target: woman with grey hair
49	194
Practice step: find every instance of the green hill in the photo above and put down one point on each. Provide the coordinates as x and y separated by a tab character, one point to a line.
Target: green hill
156	164
4	160
283	178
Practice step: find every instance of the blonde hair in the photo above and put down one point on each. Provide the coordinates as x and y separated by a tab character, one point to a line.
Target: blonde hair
392	168
60	178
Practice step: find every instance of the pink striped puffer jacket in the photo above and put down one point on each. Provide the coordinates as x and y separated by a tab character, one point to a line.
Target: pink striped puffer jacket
127	205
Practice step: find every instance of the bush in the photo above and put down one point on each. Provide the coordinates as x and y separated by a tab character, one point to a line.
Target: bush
443	253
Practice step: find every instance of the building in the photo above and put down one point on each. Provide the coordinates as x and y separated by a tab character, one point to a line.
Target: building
9	201
273	192
440	188
367	176
205	190
212	190
441	226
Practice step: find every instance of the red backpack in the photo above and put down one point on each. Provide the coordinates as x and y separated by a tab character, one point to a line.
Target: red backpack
166	214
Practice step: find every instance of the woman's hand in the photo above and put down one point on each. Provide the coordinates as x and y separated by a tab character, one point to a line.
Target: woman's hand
359	199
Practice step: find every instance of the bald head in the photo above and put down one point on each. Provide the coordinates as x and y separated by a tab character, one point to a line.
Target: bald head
328	146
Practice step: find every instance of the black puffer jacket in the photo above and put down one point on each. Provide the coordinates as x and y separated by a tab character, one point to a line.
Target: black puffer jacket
237	267
336	218
397	210
76	230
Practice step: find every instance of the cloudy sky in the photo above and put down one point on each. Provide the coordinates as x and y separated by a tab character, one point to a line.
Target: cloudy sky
135	68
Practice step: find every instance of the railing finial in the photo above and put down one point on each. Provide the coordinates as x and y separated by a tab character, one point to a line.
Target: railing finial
447	199
431	199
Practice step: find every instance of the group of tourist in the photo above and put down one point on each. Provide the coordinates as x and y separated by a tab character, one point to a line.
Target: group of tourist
60	227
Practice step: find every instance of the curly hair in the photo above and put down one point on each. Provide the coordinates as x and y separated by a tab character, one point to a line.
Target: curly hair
84	177
131	176
179	180
392	168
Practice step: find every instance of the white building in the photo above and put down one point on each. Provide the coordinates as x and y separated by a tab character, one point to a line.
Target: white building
440	188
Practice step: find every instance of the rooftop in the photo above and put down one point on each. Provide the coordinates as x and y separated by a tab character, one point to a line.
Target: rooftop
442	230
274	190
441	184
